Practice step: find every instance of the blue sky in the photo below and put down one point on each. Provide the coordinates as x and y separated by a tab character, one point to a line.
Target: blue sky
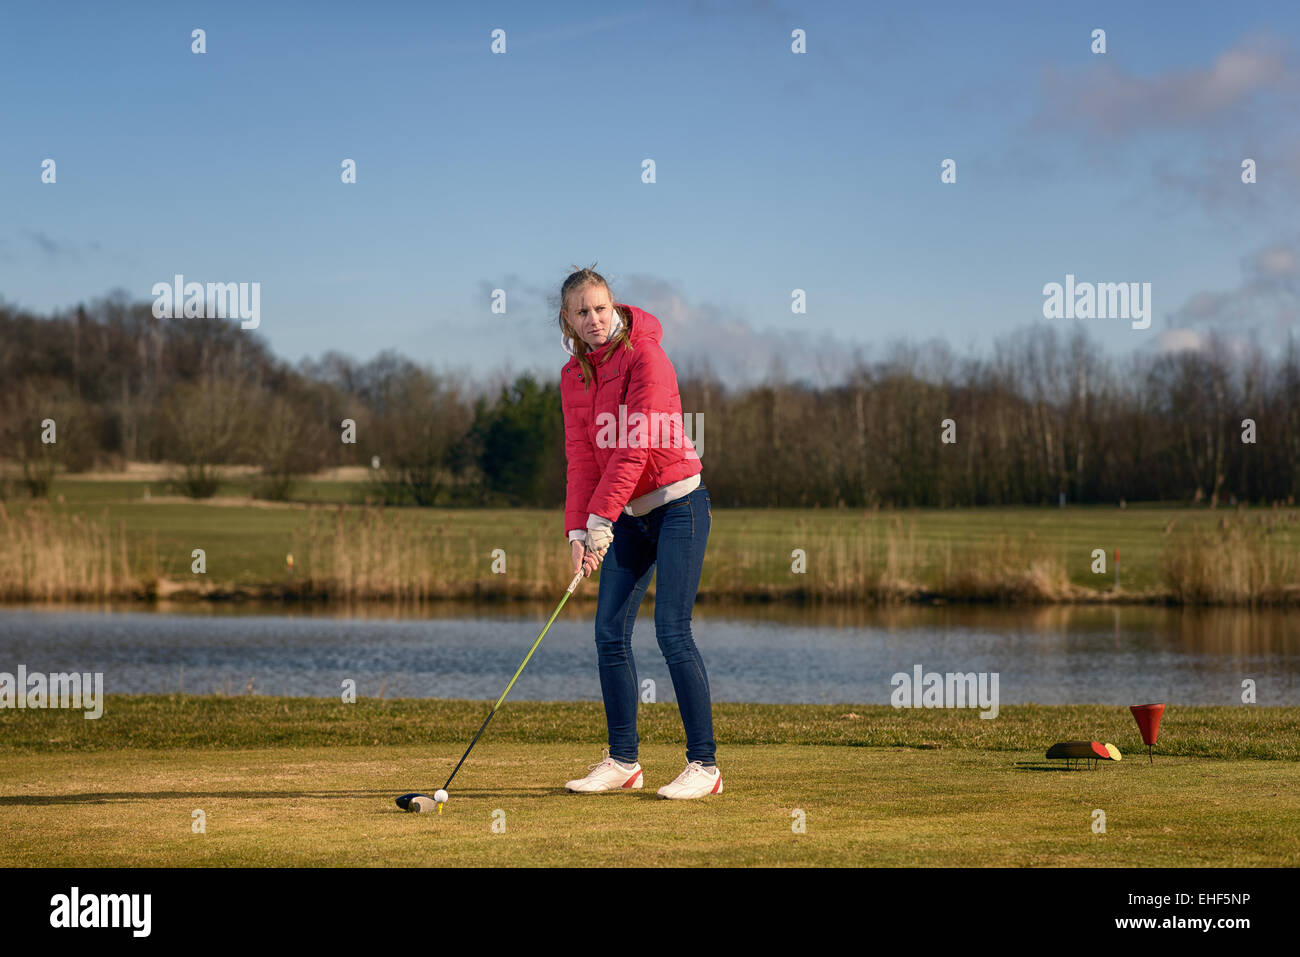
775	171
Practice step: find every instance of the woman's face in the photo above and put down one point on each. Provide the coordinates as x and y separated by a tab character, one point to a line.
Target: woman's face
590	314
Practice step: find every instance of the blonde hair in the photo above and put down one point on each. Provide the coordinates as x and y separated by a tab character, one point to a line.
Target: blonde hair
576	282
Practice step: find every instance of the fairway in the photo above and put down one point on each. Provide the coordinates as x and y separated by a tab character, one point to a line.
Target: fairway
862	807
306	782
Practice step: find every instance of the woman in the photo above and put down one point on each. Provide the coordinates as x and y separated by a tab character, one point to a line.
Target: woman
634	501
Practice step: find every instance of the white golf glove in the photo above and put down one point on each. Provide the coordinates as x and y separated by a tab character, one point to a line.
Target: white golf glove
600	535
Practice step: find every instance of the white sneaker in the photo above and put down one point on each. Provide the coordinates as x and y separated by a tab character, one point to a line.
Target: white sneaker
696	781
608	775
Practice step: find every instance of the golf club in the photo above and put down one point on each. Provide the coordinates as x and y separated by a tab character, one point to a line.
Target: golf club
411	801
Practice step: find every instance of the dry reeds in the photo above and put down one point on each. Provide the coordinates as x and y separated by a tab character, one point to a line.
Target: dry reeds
358	554
1237	563
377	553
49	556
887	562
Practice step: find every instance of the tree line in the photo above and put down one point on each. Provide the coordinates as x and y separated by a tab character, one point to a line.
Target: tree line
1046	414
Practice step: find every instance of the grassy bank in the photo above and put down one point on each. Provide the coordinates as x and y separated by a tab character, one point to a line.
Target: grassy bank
105	540
297	782
256	721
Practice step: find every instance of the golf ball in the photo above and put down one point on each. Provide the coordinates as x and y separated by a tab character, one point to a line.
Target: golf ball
440	796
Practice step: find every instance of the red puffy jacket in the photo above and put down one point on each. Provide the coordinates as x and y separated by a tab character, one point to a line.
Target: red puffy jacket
615	457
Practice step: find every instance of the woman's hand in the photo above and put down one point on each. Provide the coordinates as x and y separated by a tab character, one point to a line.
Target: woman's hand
584	560
587	555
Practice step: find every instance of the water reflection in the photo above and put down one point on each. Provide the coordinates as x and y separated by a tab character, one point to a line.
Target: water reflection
754	652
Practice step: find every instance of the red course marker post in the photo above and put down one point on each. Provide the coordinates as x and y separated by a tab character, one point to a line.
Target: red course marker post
1148	719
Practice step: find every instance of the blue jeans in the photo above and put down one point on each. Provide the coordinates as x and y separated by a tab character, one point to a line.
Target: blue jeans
671	537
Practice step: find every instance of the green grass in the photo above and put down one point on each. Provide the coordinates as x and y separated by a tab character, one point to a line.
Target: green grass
303	782
257	721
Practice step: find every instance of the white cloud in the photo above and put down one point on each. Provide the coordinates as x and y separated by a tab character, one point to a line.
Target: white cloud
1114	101
697	336
1264	306
1279	261
1181	340
734	349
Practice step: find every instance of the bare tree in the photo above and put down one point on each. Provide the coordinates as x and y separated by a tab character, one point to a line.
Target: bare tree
210	423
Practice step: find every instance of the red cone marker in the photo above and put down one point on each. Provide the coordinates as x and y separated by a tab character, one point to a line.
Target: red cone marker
1148	719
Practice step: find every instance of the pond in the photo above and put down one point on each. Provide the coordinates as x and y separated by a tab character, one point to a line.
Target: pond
776	653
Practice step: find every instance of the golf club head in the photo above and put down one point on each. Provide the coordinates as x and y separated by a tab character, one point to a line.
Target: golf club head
416	802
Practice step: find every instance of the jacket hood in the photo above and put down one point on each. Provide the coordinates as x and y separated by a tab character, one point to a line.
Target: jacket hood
644	326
